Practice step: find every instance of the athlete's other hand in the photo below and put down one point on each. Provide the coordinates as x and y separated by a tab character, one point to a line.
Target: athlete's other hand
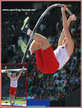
73	17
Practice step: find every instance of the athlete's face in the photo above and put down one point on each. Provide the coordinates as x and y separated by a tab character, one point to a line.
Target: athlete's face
14	74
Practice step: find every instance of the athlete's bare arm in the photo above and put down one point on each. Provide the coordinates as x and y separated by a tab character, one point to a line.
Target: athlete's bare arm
7	72
62	36
70	44
20	73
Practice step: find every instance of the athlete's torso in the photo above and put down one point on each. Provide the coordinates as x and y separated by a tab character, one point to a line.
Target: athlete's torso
61	55
13	82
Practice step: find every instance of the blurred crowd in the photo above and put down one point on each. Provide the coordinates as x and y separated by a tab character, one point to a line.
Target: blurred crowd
40	86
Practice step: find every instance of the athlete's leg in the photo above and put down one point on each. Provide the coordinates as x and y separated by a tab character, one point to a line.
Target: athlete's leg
13	99
36	47
10	99
39	38
43	40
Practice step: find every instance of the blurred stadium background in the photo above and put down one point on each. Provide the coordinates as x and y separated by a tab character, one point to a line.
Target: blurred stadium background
61	88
